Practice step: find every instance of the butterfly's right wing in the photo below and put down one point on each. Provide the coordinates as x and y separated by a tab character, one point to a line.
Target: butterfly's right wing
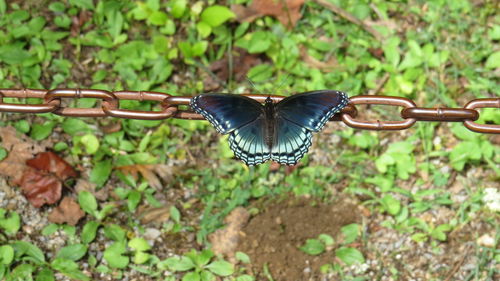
247	143
227	112
292	142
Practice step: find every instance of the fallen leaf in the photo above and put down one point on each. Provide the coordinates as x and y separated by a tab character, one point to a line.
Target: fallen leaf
224	241
40	188
286	11
149	172
68	212
151	214
20	148
42	181
84	185
52	163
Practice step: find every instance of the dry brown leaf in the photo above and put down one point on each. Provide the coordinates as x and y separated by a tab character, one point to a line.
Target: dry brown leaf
151	214
149	172
286	11
40	188
84	185
42	181
20	149
224	241
52	163
68	212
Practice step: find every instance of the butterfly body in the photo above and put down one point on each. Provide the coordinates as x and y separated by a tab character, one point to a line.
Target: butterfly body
281	132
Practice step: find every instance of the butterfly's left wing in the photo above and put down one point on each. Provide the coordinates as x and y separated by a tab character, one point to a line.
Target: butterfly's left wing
312	110
226	111
292	142
248	143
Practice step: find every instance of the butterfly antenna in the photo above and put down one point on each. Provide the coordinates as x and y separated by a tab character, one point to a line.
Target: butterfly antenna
253	84
282	82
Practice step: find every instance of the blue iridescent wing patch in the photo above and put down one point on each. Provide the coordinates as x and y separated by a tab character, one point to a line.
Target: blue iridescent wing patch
281	132
312	110
226	111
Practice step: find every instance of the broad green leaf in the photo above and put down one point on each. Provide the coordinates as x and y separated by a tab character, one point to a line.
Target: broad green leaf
114	255
139	244
87	202
114	232
351	232
221	268
101	172
179	263
10	223
391	204
72	252
313	247
91	143
40	132
6	254
191	276
350	255
493	60
244	258
3	153
23	248
89	231
73	126
46	274
216	15
326	239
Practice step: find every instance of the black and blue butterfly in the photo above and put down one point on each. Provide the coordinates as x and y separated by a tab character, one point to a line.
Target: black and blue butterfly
281	132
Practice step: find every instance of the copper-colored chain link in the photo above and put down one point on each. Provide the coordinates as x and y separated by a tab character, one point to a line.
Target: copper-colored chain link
51	101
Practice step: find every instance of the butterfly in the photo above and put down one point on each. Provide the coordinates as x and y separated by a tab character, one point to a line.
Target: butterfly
281	131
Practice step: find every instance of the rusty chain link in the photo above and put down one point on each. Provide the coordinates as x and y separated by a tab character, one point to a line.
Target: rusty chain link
51	101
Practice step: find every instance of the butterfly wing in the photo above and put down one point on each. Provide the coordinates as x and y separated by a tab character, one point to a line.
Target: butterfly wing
226	111
247	143
312	110
292	142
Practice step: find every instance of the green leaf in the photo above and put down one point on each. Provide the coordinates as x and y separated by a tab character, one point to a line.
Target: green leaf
326	239
260	73
351	232
178	7
207	276
101	172
3	153
91	143
89	231
133	199
50	229
203	29
68	268
259	42
158	18
113	255
73	126
114	232
6	254
391	204
46	274
85	4
221	268
87	202
350	255
216	15
191	276
25	248
313	247
72	252
40	132
11	223
179	263
493	60
139	244
245	277
175	214
141	257
244	258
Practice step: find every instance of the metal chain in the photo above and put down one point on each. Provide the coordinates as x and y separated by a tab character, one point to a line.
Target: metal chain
169	104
